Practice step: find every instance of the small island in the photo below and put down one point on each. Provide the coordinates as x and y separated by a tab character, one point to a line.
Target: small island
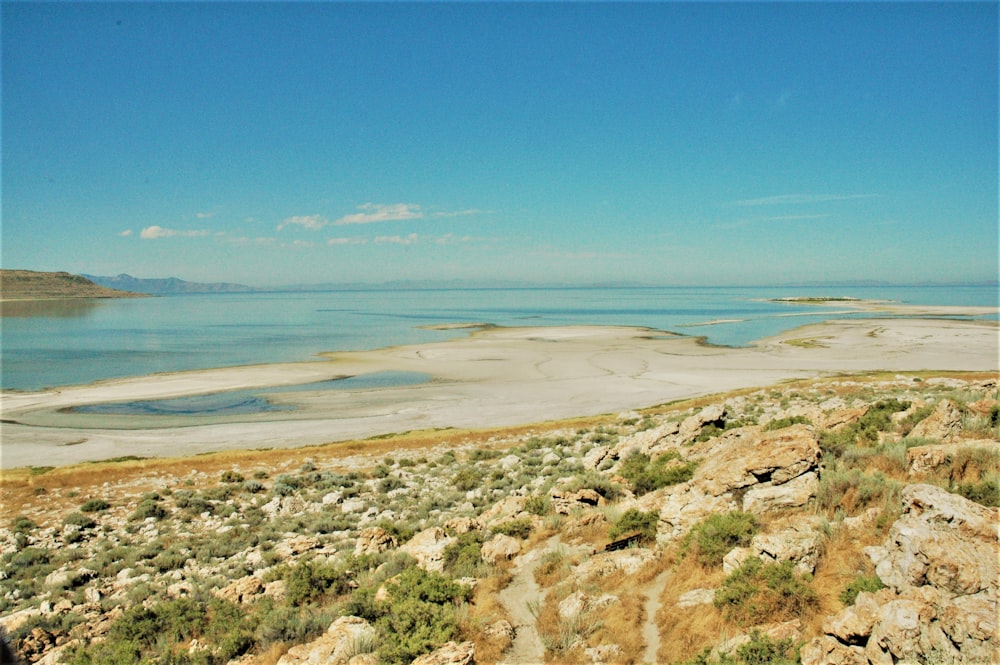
32	285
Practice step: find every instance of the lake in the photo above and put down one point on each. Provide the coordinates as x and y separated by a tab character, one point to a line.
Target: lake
54	343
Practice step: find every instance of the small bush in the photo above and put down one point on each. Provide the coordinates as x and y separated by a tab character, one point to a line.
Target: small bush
149	508
985	492
637	522
22	524
466	479
310	581
80	520
462	557
94	506
597	482
756	593
782	423
714	537
868	583
762	650
538	504
519	528
231	476
645	475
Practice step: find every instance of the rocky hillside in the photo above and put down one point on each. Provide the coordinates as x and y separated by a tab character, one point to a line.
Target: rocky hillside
31	285
851	520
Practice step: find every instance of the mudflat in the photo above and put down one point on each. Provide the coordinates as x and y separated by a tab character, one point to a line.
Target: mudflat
494	377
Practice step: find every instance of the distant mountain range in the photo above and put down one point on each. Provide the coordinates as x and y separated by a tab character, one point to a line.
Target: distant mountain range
34	285
166	286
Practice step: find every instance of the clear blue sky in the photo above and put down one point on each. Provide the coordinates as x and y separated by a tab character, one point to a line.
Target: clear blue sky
665	143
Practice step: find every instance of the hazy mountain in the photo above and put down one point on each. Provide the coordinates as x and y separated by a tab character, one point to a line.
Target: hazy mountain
166	286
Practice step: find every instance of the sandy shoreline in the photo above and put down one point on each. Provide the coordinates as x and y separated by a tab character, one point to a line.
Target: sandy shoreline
493	377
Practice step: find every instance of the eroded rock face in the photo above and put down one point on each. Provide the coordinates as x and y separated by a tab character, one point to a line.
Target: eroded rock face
500	548
746	456
940	564
374	540
427	547
242	590
338	646
452	653
925	459
944	423
799	542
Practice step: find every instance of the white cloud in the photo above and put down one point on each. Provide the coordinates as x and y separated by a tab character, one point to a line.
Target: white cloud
397	240
378	212
798	199
451	239
346	241
461	213
204	215
126	233
154	232
313	222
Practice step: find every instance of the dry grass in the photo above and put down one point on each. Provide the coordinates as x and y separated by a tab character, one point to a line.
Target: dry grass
486	610
685	633
842	562
621	624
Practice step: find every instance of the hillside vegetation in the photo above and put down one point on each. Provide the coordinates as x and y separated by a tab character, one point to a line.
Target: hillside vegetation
776	525
31	285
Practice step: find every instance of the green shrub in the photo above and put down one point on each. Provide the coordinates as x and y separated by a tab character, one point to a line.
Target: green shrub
94	506
231	476
22	524
463	557
309	581
149	508
538	504
757	593
645	475
715	536
868	583
519	528
80	520
782	423
480	454
985	492
595	481
636	522
466	479
762	650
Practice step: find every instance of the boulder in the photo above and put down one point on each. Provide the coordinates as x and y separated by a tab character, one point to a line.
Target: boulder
768	497
500	548
374	540
452	653
242	590
713	414
746	456
641	442
826	650
925	459
944	423
696	597
427	547
460	525
578	603
564	502
295	545
681	507
344	639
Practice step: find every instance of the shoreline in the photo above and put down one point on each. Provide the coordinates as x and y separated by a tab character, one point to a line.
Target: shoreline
493	377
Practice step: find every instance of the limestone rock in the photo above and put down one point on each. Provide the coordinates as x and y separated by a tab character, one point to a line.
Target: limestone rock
944	423
641	442
427	547
943	540
500	548
503	510
563	502
452	653
374	540
295	545
242	590
603	653
746	457
792	494
925	459
681	507
335	647
460	525
826	650
578	603
696	597
854	624
713	414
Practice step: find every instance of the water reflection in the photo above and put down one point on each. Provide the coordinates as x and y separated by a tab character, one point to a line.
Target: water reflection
67	308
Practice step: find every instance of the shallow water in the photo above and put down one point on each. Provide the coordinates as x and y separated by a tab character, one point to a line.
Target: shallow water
72	342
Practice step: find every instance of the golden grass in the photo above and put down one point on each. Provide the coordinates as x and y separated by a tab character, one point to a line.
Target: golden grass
684	633
486	610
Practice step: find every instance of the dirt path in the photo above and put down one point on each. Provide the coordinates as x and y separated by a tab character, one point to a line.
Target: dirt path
650	631
522	594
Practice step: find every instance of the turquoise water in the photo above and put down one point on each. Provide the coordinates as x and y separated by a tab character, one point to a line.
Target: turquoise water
48	344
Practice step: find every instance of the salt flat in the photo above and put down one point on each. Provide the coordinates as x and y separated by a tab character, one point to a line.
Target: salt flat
494	377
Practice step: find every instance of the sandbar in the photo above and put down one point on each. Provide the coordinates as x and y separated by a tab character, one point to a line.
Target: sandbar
494	377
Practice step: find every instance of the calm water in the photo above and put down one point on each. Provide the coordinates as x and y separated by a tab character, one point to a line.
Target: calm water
51	344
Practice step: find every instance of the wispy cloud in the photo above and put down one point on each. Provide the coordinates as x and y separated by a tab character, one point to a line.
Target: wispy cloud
451	239
747	221
154	232
313	222
204	215
461	213
346	241
799	199
379	212
126	233
397	240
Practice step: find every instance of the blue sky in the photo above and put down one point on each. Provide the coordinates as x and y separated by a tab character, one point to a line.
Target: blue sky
663	143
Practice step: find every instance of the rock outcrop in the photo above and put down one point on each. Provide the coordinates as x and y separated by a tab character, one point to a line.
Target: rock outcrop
940	565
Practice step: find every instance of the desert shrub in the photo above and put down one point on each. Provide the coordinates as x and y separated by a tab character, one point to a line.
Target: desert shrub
149	508
762	650
466	479
167	560
219	492
390	483
30	556
462	557
274	623
852	491
253	486
906	425
865	430
80	520
192	503
231	476
518	528
646	475
538	504
309	581
480	454
869	583
756	593
597	482
94	506
985	492
419	616
22	524
717	534
635	521
782	423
